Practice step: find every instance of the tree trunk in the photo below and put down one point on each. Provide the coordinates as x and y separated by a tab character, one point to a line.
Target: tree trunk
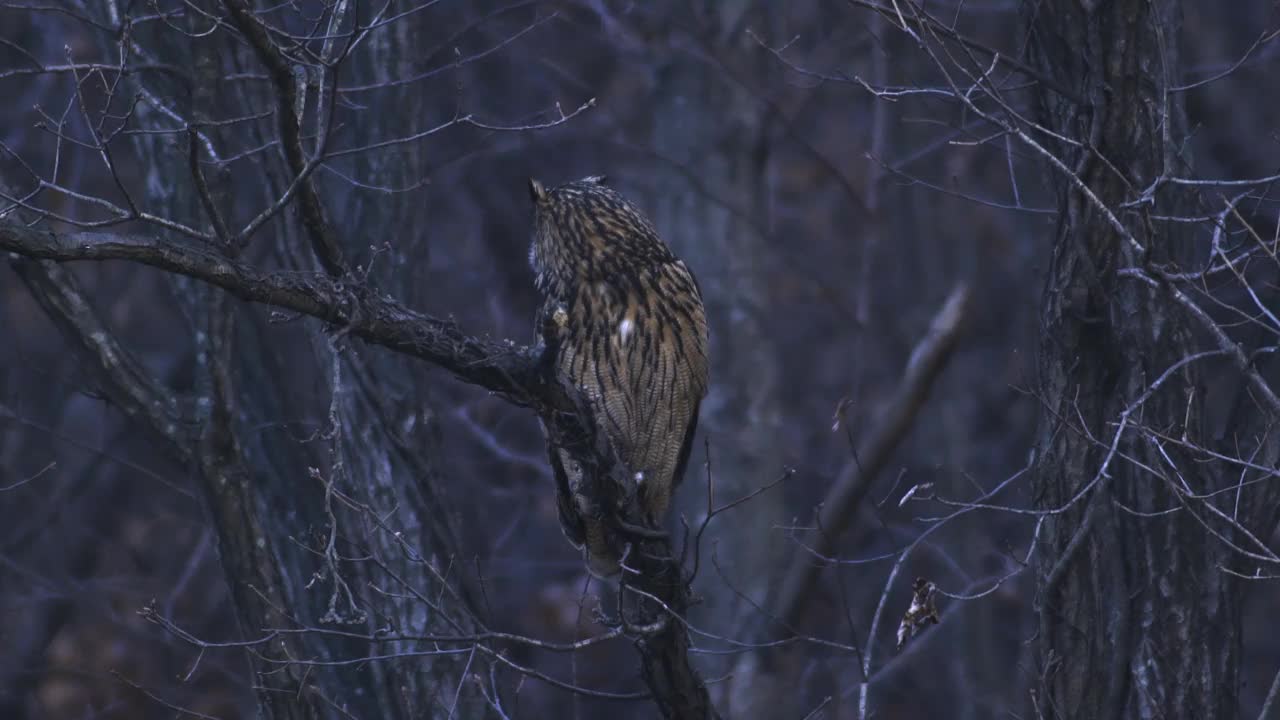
1136	620
266	491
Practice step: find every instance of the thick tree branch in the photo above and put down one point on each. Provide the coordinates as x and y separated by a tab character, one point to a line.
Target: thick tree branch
121	378
504	368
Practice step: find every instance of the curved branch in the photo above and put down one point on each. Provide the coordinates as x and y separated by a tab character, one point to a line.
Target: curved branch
502	367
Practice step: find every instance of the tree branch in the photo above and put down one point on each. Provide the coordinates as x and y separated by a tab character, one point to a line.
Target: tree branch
504	368
121	378
288	110
927	360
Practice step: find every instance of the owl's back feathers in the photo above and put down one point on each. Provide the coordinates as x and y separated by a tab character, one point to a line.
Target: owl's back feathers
624	322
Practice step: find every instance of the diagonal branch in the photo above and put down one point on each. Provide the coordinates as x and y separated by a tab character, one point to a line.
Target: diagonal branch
924	21
122	379
838	508
504	368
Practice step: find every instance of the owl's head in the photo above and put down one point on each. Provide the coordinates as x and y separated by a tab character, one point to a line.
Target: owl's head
540	194
586	228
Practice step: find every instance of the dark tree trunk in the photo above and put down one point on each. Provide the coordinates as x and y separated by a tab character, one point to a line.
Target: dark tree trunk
1136	619
265	491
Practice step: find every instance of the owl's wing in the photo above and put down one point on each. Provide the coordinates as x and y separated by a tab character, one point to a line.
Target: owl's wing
686	447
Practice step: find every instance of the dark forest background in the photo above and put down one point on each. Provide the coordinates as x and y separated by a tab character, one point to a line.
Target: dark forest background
937	355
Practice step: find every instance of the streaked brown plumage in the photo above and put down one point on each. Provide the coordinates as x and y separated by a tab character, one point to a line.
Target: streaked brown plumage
624	327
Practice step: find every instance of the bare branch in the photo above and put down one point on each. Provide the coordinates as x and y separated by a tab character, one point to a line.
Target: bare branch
503	368
927	360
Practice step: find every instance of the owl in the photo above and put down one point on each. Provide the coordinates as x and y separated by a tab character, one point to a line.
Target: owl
624	332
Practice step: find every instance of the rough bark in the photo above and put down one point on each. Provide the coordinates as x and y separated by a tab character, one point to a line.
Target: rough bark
1136	619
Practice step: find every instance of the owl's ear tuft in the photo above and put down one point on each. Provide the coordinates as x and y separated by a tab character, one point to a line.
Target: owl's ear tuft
537	193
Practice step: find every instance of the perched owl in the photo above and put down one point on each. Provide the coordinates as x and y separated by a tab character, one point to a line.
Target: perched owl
624	331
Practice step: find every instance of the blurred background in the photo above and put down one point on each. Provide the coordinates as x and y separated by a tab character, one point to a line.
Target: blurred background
826	223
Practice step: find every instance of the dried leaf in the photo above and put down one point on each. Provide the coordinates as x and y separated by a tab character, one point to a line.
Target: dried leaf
922	612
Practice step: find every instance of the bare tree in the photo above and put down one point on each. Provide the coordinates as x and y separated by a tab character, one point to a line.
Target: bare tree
992	291
1157	451
1153	507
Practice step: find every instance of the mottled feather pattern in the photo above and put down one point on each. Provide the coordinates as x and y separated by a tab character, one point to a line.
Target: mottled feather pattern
633	336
